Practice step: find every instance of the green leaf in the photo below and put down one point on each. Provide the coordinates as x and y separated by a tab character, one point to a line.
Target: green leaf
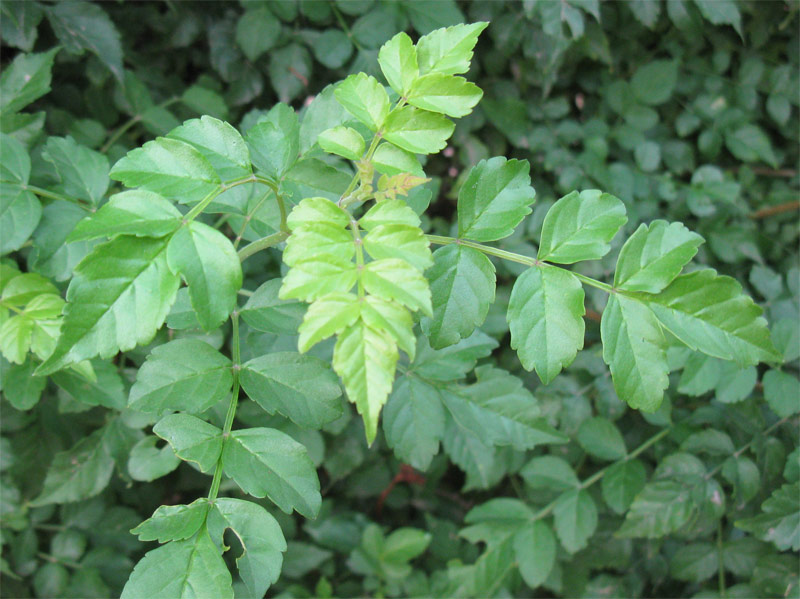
779	522
274	146
146	463
695	562
83	172
404	544
319	241
394	279
602	439
781	390
78	473
192	439
172	168
445	94
313	278
448	50
622	483
81	26
261	538
550	473
257	31
264	311
302	388
135	212
185	374
20	387
398	61
365	98
579	227
313	211
328	316
20	212
210	266
181	569
219	143
387	213
173	522
453	362
721	12
750	143
392	318
633	348
19	26
535	550
417	131
342	141
414	421
709	313
653	256
265	462
661	508
545	315
25	79
391	160
462	284
575	519
654	82
123	277
15	163
365	358
107	388
494	199
405	242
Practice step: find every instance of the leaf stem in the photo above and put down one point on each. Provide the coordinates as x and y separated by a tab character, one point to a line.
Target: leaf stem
130	123
56	196
720	565
262	244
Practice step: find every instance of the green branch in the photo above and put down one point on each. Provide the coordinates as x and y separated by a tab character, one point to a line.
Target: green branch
56	196
262	244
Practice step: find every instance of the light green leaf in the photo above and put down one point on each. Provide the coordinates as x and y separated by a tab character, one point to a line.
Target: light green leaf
219	143
146	463
185	374
208	263
661	508
25	79
445	94
494	199
302	388
312	279
389	212
448	50
192	439
394	279
329	315
535	550
782	391
462	284
779	522
391	160
575	519
83	172
264	311
342	141
119	296
365	98
173	522
15	338
135	212
708	312
187	569
261	538
398	61
78	473
365	358
313	211
404	544
399	241
633	348
414	422
174	169
579	227
417	131
392	318
319	240
601	438
265	462
622	483
654	255
545	315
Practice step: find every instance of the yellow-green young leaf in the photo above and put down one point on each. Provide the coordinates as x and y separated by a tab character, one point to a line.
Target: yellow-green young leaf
535	550
342	141
261	537
25	79
184	374
312	279
19	289
135	212
265	462
654	255
394	279
575	519
15	338
400	241
83	172
327	316
545	316
709	313
219	143
192	439
208	263
417	131
494	199
302	388
579	227
264	311
462	283
181	570
391	160
389	212
446	94
398	61
365	358
633	348
414	421
390	317
365	98
318	240
317	210
173	522
119	296
448	50
170	167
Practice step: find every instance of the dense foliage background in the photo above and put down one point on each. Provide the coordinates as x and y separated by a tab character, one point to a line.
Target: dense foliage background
685	110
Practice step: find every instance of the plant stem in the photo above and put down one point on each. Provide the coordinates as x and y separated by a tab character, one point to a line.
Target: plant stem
226	429
720	566
56	196
128	124
262	244
359	254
